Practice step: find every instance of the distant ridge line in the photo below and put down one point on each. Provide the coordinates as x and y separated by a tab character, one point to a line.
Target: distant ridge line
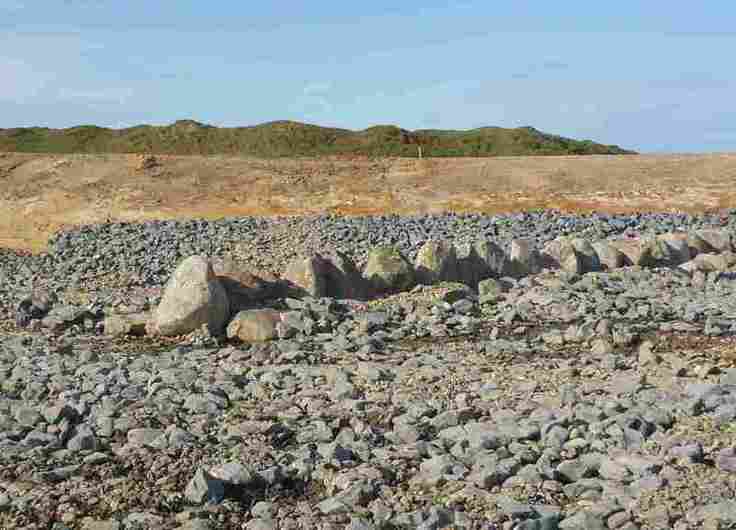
286	138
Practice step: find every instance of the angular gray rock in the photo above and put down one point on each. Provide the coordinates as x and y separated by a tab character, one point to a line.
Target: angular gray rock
523	259
561	254
342	277
203	487
388	271
661	253
609	256
83	439
481	260
685	245
719	240
237	474
632	249
588	255
308	274
63	317
244	289
436	262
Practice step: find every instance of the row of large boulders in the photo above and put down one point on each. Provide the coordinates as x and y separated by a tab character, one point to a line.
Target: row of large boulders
223	298
387	270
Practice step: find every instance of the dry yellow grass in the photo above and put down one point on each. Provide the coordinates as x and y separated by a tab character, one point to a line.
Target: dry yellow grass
41	193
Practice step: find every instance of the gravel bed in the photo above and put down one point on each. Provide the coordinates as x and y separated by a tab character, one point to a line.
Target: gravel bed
597	401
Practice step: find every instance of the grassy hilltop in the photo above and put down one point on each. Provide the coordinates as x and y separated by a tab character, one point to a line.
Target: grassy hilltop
288	138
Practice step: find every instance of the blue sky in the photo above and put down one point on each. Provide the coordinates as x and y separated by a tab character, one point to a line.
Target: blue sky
652	76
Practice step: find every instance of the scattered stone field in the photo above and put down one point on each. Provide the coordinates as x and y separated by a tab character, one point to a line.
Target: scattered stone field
532	371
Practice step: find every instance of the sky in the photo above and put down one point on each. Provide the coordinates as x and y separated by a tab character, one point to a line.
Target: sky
653	76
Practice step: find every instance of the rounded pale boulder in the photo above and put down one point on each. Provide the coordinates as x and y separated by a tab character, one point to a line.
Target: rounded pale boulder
192	298
121	325
254	325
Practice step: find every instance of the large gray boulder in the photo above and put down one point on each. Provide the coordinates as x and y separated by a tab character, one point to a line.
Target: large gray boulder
660	253
470	267
608	255
590	261
523	259
480	261
493	257
343	278
687	244
203	487
254	325
308	274
665	250
192	298
561	254
332	275
436	262
388	271
719	239
244	289
697	244
632	249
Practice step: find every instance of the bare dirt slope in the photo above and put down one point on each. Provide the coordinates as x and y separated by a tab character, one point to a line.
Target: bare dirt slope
41	193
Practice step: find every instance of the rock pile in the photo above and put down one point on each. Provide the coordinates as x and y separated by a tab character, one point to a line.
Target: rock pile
195	297
570	381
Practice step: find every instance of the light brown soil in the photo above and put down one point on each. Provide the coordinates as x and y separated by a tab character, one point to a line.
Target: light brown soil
41	193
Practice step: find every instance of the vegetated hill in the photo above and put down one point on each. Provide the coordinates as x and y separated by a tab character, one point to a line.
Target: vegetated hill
288	138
